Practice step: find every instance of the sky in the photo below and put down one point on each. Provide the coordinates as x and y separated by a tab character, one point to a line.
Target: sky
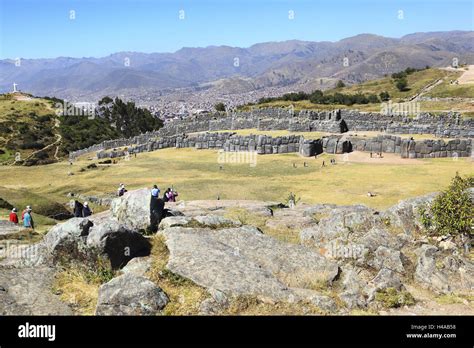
97	28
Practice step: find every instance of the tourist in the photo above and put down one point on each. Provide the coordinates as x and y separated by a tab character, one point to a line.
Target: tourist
165	195
78	209
121	190
155	191
86	211
371	154
24	212
157	208
172	194
28	219
14	216
323	164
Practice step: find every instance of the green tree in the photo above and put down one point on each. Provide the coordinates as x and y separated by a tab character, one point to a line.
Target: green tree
384	96
219	107
340	84
401	84
452	211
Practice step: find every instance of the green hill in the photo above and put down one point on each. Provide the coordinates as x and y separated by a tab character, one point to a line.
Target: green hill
32	132
434	83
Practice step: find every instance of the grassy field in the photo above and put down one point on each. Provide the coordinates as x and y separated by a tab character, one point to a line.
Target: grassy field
318	135
196	174
416	82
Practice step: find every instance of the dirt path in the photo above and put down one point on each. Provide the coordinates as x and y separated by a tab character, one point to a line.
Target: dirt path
364	157
426	89
427	305
56	143
467	76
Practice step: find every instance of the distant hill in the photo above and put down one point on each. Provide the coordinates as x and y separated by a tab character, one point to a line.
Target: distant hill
261	65
32	131
431	88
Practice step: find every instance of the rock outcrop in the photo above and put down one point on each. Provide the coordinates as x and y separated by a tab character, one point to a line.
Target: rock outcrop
345	258
130	294
243	261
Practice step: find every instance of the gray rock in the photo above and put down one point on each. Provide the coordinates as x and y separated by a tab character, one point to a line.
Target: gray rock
324	302
8	229
340	222
215	221
242	261
27	291
386	278
173	221
80	238
387	258
133	209
427	273
130	294
405	214
354	289
138	266
68	239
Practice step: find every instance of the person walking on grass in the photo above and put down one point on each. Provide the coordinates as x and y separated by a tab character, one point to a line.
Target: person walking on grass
13	216
24	212
28	220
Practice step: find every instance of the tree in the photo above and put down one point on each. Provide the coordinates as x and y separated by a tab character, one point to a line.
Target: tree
384	96
219	107
452	211
340	84
401	84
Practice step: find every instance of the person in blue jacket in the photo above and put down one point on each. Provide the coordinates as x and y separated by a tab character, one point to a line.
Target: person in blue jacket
28	219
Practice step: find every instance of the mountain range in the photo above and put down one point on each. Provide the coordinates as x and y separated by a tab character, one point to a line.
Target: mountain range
355	59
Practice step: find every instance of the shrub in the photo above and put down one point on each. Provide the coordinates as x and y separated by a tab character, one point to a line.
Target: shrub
401	84
392	298
452	211
340	84
219	107
384	96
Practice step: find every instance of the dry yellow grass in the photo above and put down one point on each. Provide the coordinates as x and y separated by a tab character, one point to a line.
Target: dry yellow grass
196	174
75	289
185	296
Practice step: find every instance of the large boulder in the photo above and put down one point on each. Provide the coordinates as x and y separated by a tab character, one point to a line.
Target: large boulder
130	294
349	233
85	239
133	209
443	273
405	214
387	258
243	261
214	221
339	222
68	239
354	289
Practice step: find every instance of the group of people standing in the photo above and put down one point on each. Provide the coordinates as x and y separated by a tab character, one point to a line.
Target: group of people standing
82	210
26	217
157	205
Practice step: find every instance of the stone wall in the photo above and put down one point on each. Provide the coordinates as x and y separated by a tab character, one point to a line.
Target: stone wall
334	144
227	141
336	121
